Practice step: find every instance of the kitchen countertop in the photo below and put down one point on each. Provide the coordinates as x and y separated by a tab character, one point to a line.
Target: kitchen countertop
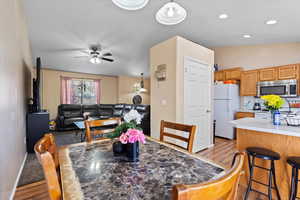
251	111
263	125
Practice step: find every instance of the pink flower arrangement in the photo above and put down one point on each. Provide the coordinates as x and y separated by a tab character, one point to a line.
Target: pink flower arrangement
132	136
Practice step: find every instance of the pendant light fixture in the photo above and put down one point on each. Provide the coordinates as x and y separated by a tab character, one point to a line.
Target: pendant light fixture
142	85
171	13
131	4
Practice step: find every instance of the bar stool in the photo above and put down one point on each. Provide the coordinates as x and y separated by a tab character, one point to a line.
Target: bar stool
295	163
265	154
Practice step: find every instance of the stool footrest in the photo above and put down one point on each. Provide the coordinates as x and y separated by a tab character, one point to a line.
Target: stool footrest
262	183
261	167
253	190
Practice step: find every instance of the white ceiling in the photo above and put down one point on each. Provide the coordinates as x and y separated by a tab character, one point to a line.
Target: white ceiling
58	26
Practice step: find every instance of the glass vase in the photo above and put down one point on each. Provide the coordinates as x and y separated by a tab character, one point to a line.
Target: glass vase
275	116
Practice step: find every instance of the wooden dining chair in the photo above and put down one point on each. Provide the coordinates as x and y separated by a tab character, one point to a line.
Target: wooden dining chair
224	188
89	124
46	152
190	129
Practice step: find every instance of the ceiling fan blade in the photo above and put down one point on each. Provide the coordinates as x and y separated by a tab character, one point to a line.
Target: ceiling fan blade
88	52
108	59
63	50
107	54
81	56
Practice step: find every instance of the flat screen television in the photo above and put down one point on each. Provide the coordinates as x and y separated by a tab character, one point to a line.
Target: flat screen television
36	105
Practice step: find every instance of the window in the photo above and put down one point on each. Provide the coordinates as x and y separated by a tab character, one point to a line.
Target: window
80	91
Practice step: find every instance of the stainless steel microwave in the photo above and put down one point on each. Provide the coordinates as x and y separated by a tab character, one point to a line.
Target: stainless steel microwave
284	88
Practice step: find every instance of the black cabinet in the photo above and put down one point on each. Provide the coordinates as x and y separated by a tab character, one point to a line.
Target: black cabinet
37	124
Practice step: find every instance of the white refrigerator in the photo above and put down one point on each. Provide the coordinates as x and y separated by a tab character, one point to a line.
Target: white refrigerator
226	103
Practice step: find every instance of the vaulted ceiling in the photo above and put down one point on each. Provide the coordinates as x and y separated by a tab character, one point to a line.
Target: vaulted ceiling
58	28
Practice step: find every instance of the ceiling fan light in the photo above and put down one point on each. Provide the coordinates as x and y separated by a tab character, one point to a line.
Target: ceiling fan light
131	4
143	90
95	60
171	13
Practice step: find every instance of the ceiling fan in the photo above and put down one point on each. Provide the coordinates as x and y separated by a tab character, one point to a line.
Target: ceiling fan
96	55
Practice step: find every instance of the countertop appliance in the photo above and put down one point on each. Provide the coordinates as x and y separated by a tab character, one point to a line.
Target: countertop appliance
283	88
256	106
226	103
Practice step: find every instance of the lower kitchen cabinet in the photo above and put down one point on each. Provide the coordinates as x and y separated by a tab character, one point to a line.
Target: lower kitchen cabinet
239	115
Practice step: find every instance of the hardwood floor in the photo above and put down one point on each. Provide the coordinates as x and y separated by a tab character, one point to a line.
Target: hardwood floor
222	154
34	191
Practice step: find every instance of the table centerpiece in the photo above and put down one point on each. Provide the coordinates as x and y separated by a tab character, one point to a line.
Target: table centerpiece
273	103
129	134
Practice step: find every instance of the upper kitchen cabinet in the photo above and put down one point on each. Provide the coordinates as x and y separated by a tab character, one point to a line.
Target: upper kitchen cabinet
228	74
219	76
233	74
268	74
248	83
288	72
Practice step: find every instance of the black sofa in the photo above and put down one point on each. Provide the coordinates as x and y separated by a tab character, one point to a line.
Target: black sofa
70	113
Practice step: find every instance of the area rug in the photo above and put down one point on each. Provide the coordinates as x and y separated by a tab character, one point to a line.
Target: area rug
32	171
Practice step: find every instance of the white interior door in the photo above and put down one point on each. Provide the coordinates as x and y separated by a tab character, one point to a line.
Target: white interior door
197	101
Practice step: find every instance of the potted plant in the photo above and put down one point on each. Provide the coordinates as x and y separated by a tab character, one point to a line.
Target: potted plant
129	134
273	103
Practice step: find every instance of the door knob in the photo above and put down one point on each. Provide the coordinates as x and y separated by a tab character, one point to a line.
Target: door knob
208	111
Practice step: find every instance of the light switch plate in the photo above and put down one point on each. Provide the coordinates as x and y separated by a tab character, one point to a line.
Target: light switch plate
163	102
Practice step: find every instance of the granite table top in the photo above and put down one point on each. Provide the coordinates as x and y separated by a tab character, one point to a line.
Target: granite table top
92	172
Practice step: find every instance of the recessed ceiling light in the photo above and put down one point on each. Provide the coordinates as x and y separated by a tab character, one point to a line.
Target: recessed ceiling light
247	36
223	16
131	4
271	22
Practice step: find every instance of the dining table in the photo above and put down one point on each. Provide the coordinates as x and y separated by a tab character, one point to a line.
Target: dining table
91	171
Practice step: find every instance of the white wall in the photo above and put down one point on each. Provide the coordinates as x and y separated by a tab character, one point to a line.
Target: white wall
15	81
257	56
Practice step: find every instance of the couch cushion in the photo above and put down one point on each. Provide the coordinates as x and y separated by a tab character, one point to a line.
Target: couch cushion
70	110
70	107
144	110
118	110
91	110
71	114
127	109
106	109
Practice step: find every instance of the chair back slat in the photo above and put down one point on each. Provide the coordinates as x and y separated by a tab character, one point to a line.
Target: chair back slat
175	136
104	122
89	124
223	188
190	129
46	152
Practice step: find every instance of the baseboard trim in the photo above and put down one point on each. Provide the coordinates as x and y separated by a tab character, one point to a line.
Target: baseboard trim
17	179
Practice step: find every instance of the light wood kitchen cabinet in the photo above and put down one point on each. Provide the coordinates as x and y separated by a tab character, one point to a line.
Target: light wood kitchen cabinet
248	83
268	74
239	115
219	76
233	74
228	74
288	72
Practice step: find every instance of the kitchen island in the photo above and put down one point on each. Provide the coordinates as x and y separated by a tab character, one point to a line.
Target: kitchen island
283	139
